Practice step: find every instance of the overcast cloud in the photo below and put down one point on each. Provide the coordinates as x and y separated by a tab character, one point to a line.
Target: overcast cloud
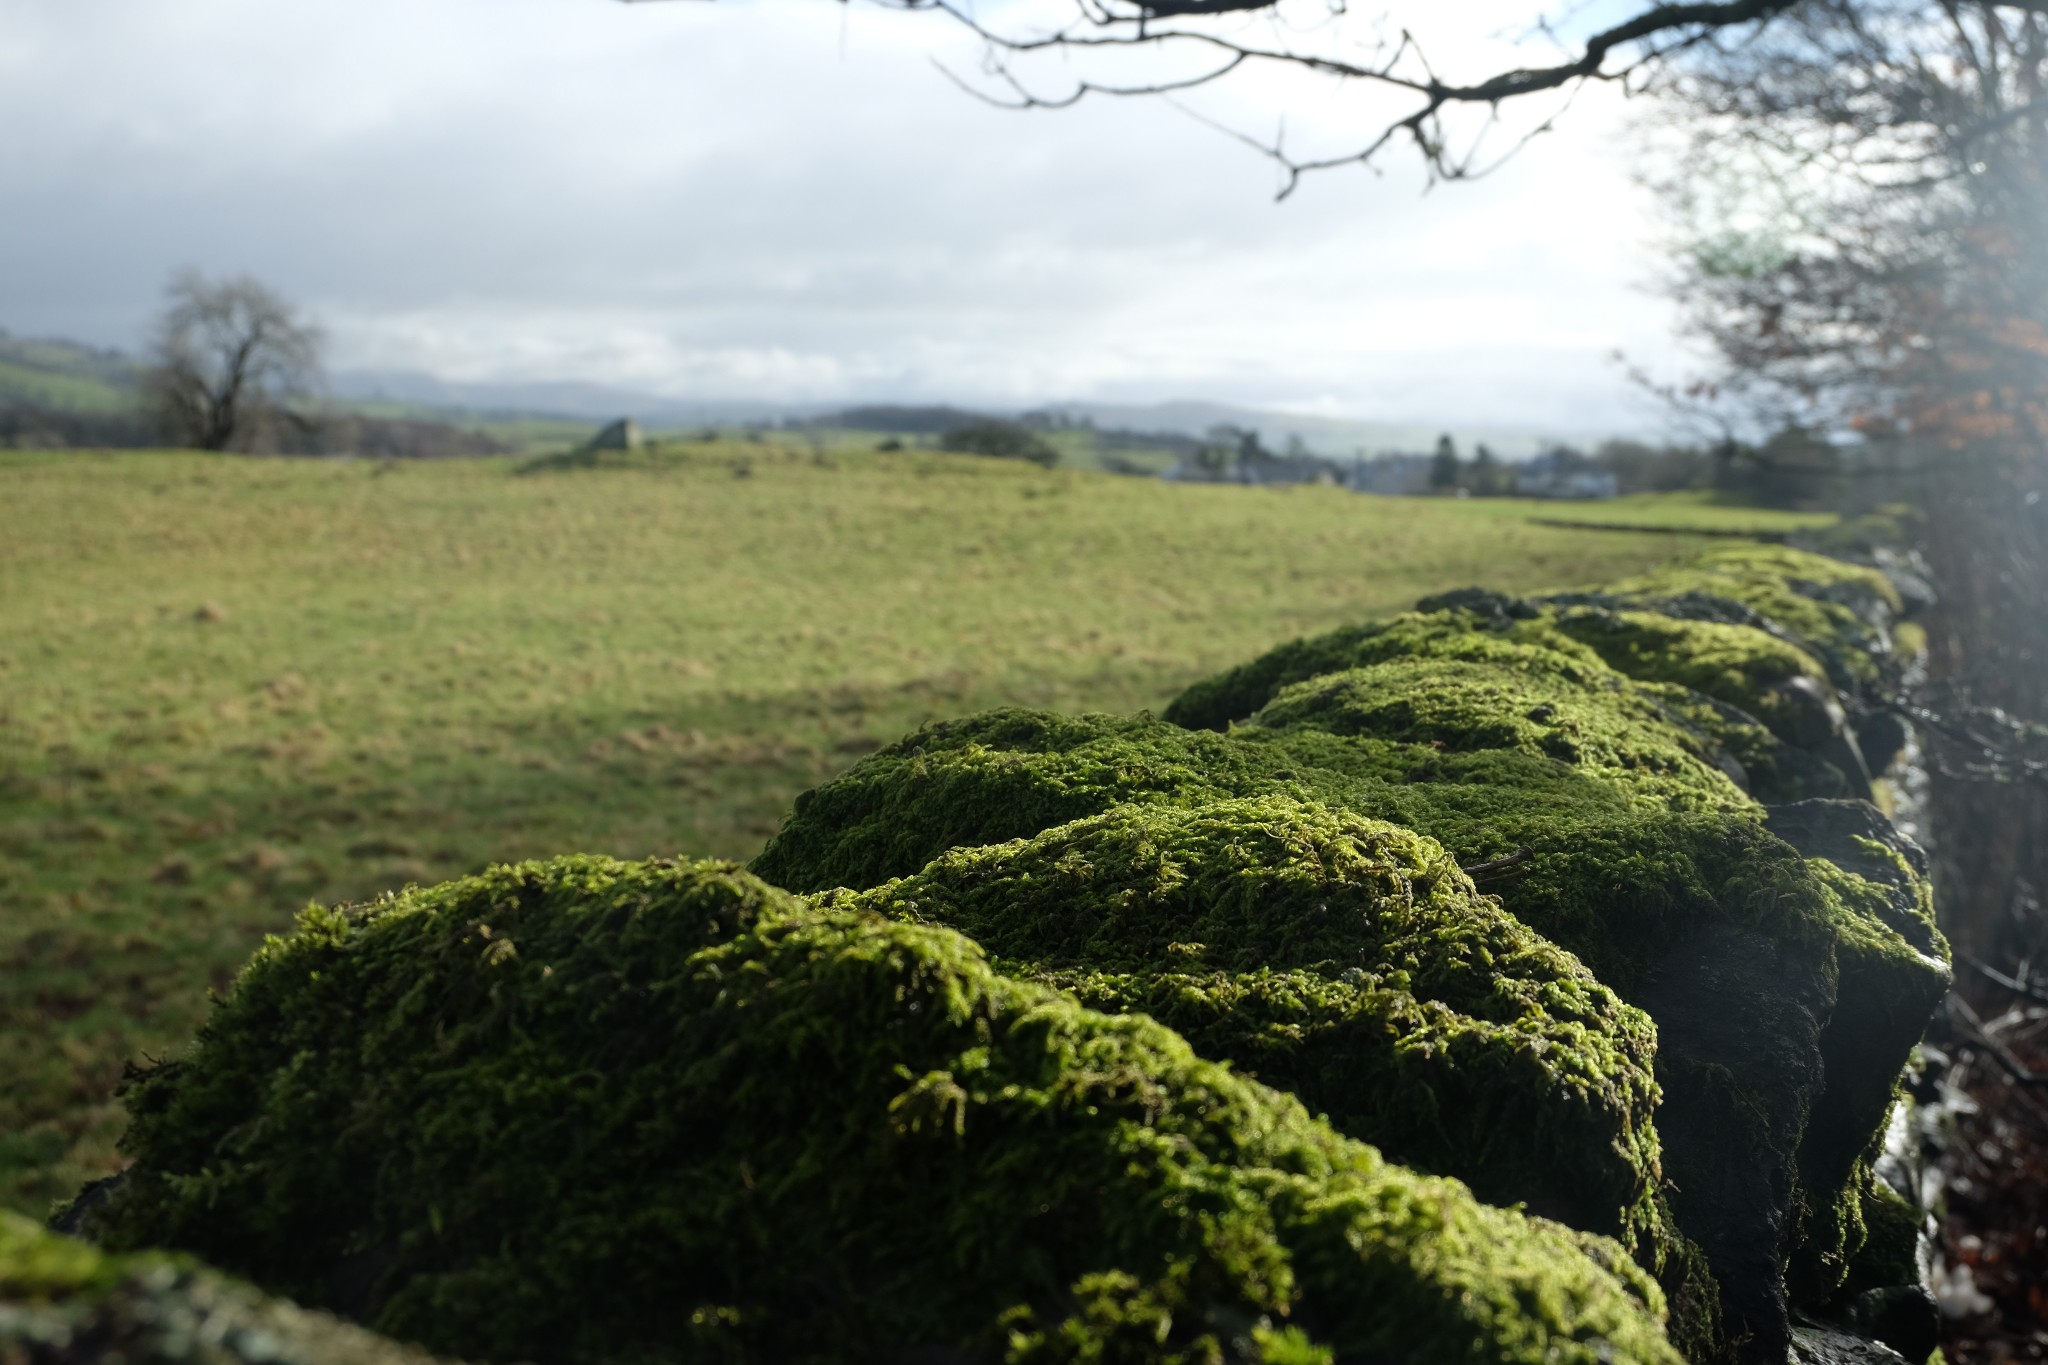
783	200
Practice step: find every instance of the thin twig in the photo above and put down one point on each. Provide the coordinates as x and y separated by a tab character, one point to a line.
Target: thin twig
1973	1027
2013	984
1501	864
1657	32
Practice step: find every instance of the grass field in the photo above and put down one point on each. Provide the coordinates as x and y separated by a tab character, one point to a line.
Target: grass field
66	376
229	686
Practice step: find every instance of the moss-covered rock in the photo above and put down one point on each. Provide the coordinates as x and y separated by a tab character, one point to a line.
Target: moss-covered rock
1607	876
1470	626
1769	631
63	1302
587	1111
1741	665
1884	1297
1347	961
1610	730
1837	612
1784	1007
594	1111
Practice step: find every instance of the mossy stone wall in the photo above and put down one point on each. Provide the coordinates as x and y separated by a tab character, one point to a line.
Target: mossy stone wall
662	1109
1509	981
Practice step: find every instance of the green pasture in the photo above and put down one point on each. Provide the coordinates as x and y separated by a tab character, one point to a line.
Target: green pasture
66	392
229	686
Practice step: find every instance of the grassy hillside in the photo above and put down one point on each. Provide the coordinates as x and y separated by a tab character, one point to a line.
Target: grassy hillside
64	376
228	686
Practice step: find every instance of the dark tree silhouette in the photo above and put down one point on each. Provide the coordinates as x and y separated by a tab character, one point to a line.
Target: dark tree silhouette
1208	42
1445	468
229	357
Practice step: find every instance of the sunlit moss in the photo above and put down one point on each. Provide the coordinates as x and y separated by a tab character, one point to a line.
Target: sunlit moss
1603	726
1343	959
1832	609
595	1111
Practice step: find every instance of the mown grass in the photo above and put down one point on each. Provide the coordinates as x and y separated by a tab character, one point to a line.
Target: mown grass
229	686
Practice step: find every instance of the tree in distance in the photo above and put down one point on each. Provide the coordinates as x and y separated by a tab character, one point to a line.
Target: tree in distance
229	357
1003	440
1445	468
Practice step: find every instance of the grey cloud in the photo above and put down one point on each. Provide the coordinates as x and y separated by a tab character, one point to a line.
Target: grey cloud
712	201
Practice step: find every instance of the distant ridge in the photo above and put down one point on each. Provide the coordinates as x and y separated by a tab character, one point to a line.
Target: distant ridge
1337	437
567	399
66	377
1331	436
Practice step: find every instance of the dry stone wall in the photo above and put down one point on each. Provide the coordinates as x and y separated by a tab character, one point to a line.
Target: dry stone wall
1510	981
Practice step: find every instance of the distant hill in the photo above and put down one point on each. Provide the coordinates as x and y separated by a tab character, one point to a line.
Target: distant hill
59	394
1336	437
64	376
899	419
499	400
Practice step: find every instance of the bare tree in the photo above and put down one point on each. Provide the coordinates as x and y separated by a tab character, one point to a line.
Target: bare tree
229	357
1862	192
1168	48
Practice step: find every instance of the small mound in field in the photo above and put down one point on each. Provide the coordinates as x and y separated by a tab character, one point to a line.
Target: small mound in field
595	1111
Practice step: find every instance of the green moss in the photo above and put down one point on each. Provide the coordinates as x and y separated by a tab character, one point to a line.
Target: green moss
1609	730
1888	989
593	1111
1347	961
1810	609
1774	771
63	1302
1741	665
1636	891
1487	629
998	775
1890	1254
1609	878
1214	703
1835	611
41	1267
1715	690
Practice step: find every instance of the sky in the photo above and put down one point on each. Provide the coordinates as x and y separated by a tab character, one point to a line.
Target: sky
789	201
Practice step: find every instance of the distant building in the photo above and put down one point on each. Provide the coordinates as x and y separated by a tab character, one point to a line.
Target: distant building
1233	455
1390	476
1564	473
